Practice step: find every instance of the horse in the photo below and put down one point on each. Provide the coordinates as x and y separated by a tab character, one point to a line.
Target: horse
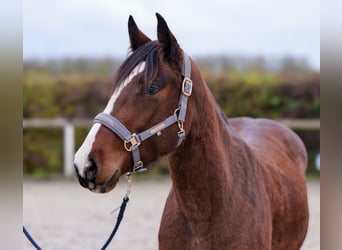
237	183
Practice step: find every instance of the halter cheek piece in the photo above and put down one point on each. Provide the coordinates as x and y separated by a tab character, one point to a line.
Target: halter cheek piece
132	141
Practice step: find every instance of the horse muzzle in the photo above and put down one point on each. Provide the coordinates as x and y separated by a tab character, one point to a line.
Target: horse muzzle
89	177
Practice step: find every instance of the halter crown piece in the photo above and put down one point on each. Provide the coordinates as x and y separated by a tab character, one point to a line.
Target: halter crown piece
132	141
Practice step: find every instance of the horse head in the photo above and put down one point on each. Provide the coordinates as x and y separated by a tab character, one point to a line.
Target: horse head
145	103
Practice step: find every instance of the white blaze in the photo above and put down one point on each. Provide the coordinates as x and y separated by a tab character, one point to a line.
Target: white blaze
81	156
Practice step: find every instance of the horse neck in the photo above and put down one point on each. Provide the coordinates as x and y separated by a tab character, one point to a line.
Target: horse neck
199	168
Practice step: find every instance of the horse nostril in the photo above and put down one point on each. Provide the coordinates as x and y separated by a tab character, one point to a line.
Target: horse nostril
91	170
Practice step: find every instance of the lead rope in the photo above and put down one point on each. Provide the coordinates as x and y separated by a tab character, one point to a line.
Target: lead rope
121	212
29	237
117	224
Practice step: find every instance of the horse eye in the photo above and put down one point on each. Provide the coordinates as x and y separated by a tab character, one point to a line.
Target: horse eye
153	90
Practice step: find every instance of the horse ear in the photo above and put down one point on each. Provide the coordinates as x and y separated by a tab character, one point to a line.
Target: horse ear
136	37
168	43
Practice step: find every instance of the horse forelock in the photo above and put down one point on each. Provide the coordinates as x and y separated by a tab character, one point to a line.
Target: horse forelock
147	53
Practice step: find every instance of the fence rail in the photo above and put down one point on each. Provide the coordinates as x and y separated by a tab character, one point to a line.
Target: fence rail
68	127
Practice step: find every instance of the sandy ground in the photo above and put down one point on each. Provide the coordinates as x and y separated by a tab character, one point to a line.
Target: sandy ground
61	215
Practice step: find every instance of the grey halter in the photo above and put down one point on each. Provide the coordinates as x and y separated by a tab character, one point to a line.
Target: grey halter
133	140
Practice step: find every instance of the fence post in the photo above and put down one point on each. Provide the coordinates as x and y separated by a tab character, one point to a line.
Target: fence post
69	148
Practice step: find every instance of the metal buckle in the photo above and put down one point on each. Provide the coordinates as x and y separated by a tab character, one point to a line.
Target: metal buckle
131	142
187	86
181	128
139	167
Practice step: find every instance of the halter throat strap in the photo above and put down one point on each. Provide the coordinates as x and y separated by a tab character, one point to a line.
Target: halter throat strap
132	141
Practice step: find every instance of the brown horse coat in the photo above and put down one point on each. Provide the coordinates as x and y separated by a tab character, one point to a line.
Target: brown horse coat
253	197
237	185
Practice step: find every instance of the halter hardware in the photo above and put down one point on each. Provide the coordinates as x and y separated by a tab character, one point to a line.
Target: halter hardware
181	131
132	141
138	167
187	87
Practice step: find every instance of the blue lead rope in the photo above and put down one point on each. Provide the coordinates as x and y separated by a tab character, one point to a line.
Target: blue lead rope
118	221
29	237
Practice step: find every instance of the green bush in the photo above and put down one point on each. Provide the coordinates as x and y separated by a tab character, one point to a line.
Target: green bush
43	151
271	99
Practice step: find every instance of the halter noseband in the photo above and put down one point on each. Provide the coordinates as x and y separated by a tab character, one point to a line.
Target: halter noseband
133	140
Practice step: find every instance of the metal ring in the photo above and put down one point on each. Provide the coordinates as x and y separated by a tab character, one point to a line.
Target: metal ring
133	141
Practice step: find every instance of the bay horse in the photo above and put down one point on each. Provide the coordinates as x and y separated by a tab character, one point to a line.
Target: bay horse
237	183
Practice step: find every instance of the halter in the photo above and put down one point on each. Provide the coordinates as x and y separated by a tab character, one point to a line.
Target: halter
132	141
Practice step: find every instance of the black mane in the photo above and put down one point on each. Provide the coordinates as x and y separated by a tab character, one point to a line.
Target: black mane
148	53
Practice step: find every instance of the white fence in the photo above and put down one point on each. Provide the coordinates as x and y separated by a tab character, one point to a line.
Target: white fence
69	133
68	136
